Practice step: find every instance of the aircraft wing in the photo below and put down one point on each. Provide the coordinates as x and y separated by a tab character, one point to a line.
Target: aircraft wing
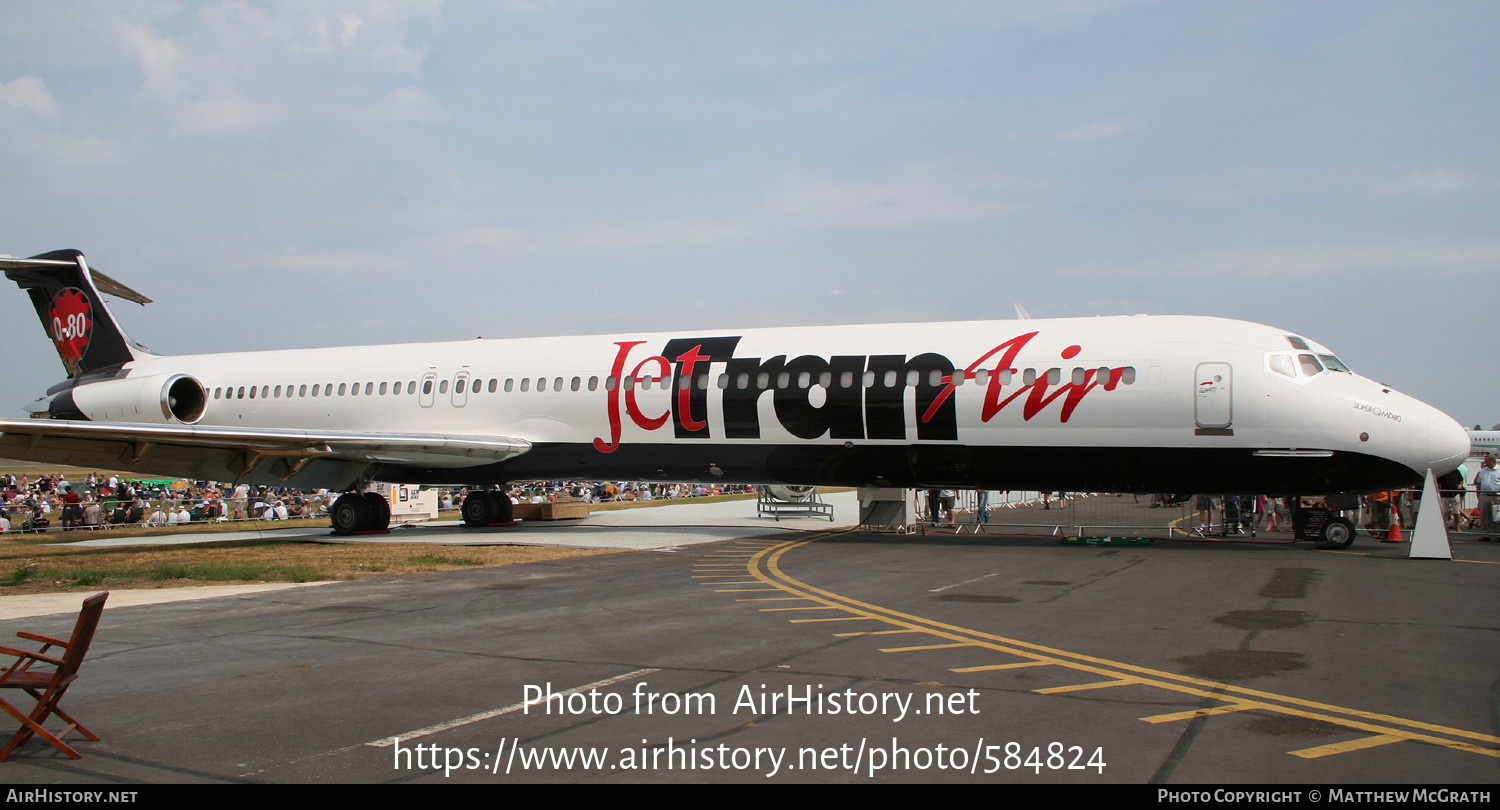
332	458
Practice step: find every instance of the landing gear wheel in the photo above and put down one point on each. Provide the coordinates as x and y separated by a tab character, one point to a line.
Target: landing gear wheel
477	508
1337	533
350	514
503	510
380	512
486	508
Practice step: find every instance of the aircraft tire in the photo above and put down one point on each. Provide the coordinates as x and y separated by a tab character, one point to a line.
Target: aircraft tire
1337	533
350	514
503	511
479	508
379	516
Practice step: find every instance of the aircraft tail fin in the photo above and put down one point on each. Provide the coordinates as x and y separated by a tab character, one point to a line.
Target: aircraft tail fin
66	295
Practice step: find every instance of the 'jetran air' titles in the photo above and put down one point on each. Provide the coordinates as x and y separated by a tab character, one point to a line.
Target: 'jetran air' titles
864	398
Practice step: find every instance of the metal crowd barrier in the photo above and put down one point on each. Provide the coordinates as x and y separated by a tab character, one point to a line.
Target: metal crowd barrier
1184	516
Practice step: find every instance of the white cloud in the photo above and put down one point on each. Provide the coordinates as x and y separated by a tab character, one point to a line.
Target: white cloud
1427	181
158	58
923	193
1099	130
236	65
490	237
76	150
1409	257
646	234
228	112
336	262
406	105
28	92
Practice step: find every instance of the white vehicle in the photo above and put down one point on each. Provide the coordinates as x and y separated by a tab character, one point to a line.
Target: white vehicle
1112	404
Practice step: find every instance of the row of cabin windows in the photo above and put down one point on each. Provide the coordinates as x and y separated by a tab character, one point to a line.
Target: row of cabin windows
741	381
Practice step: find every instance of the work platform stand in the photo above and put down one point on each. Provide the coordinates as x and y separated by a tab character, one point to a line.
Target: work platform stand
813	505
1238	513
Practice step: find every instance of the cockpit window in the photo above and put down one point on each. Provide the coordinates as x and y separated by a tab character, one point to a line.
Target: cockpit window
1282	364
1296	342
1333	363
1302	366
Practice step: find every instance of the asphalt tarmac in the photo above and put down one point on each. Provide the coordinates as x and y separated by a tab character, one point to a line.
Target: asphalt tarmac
795	653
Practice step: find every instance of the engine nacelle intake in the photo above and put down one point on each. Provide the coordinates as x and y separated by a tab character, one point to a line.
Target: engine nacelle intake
159	399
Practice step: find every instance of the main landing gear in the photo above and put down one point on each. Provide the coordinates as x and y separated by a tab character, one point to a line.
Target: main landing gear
486	507
360	512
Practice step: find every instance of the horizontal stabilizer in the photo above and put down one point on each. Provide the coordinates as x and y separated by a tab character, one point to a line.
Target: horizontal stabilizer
66	296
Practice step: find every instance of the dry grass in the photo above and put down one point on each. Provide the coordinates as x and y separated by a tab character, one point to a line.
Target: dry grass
28	567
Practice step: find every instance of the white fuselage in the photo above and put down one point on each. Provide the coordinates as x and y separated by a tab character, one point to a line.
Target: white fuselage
1162	403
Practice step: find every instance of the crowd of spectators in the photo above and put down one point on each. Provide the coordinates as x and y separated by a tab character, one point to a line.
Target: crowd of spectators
99	500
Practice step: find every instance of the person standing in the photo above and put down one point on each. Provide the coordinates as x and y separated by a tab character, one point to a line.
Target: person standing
239	501
1487	484
72	509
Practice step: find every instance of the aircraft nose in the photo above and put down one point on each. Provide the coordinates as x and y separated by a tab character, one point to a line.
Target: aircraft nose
1447	443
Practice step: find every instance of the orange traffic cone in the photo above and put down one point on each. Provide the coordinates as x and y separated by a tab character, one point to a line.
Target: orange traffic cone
1394	535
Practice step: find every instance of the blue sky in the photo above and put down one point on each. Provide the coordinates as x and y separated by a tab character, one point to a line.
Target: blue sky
282	174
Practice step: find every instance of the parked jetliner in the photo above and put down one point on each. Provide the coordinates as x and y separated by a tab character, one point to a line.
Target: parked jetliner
1109	404
1483	441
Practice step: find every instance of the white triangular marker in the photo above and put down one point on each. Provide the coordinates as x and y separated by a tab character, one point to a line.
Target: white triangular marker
1429	540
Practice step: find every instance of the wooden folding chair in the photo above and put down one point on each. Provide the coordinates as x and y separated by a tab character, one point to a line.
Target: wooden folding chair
48	686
